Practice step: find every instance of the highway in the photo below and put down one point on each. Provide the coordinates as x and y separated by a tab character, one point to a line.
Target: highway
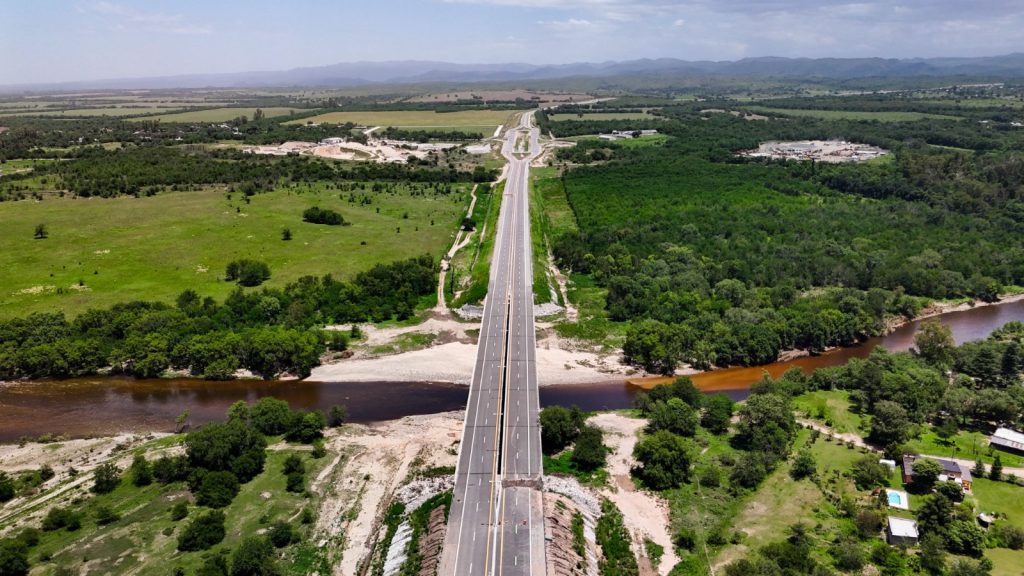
496	523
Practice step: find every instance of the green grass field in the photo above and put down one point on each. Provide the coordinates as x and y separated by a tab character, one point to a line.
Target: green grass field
1006	562
831	408
968	445
568	117
850	114
221	114
472	120
154	248
135	110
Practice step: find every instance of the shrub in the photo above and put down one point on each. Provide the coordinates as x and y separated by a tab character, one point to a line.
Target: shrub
295	482
559	427
203	532
13	558
868	473
7	490
217	489
664	460
281	534
305	427
106	515
29	536
106	478
337	416
179	511
253	557
803	466
167	470
317	215
1008	536
141	472
292	463
589	452
247	272
318	450
58	518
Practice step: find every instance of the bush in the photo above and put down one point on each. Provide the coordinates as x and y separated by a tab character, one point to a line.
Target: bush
13	558
217	489
337	416
292	463
141	472
106	515
253	557
317	215
232	446
106	478
7	490
203	532
1008	536
559	427
868	473
281	534
58	518
29	536
247	272
664	460
803	466
295	482
167	470
305	427
319	451
179	511
589	452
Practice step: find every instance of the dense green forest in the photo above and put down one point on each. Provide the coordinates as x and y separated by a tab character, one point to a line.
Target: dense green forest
721	260
267	332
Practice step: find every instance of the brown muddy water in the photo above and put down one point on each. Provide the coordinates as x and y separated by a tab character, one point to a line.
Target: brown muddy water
97	406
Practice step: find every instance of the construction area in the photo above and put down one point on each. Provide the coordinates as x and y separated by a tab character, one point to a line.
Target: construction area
375	150
818	150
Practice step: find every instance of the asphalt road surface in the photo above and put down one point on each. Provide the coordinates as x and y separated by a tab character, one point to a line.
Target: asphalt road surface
496	523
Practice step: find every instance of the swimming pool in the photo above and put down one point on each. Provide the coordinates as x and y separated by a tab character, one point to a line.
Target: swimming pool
897	499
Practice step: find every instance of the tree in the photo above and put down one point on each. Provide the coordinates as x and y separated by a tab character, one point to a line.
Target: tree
270	416
253	557
239	411
926	474
203	532
934	343
933	554
106	515
13	558
293	463
589	452
230	446
7	490
674	415
890	424
559	427
996	472
306	427
40	233
286	234
217	489
141	472
766	425
651	344
718	410
950	490
979	469
336	416
247	272
934	514
968	567
750	470
664	460
106	478
868	473
179	511
804	465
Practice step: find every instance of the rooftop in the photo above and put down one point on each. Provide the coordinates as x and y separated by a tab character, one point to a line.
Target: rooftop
902	527
1008	438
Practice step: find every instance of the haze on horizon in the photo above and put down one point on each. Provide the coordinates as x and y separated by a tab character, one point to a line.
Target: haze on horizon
75	40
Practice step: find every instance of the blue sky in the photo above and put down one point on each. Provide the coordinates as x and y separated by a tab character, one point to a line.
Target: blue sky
67	40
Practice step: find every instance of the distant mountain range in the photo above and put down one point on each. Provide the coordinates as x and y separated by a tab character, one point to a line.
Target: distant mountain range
354	74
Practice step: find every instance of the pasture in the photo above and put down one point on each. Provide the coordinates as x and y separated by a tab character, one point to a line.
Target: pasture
849	114
222	114
467	120
102	251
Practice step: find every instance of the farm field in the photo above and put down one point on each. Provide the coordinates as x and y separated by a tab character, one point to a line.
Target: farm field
222	114
850	114
477	120
154	248
92	112
602	116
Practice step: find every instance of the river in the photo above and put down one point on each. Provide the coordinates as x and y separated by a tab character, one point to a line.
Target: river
95	406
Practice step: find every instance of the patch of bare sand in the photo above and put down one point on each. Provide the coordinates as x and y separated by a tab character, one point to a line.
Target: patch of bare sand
453	362
374	461
644	513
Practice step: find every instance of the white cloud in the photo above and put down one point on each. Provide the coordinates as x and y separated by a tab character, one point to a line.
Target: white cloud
679	23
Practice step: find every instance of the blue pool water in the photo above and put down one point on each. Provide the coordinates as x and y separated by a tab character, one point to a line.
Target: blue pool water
895	499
